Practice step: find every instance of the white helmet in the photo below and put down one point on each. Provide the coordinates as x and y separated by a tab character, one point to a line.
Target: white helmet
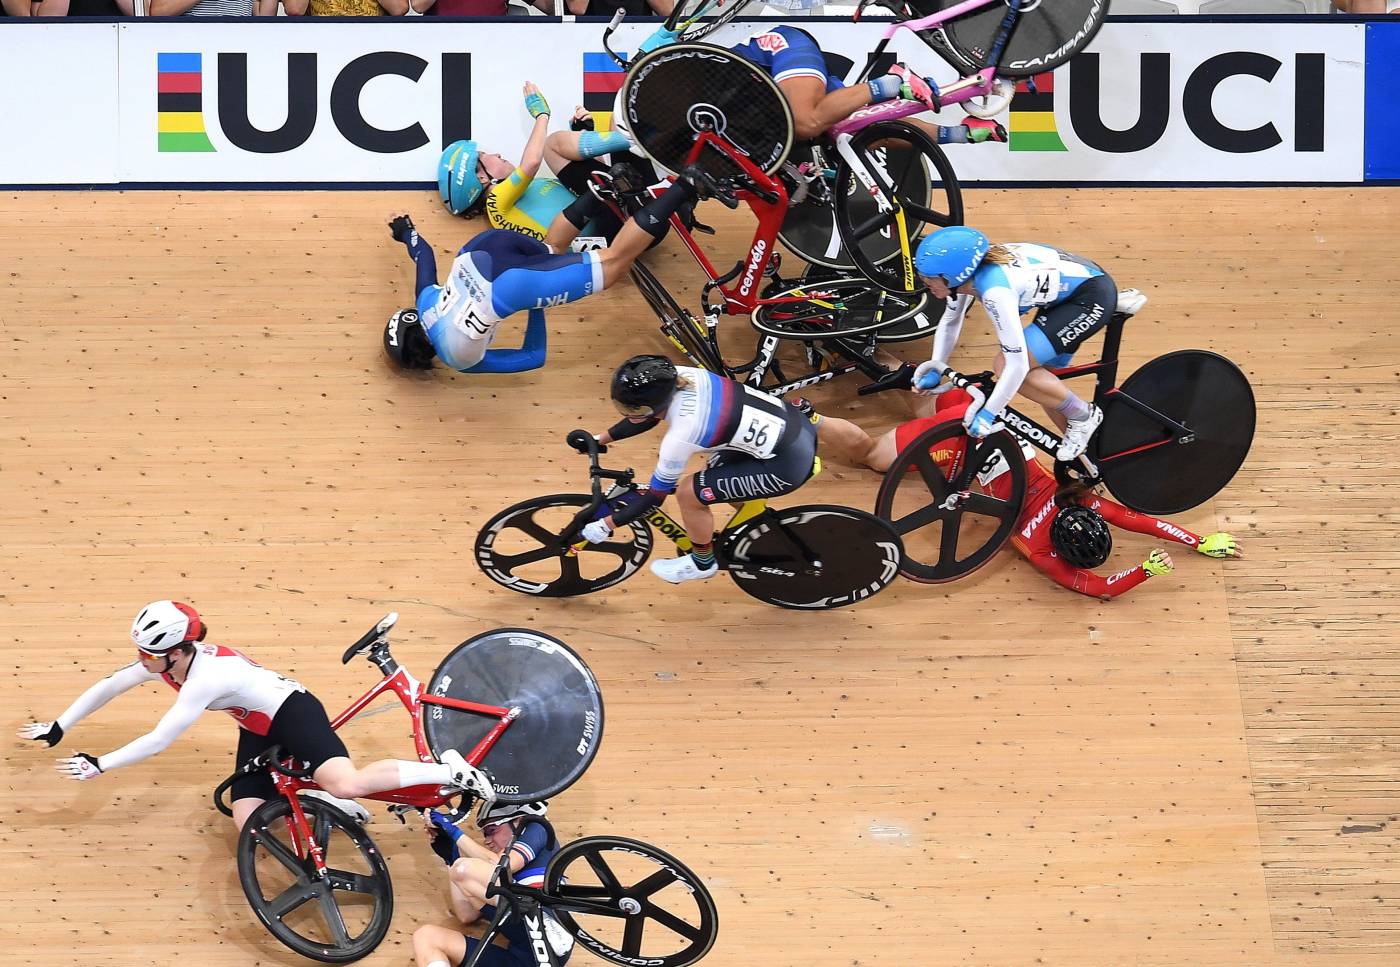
489	815
164	625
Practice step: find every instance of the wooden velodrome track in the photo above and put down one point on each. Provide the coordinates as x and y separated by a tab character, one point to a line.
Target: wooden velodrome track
999	772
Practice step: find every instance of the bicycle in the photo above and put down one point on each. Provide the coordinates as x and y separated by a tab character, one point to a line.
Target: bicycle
533	726
585	880
846	315
810	557
1173	435
987	45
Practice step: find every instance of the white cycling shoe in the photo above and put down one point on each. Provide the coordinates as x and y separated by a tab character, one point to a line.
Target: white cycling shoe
350	807
467	777
1077	434
678	570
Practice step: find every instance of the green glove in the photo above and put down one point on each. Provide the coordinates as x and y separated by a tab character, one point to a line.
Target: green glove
536	105
1219	545
1157	564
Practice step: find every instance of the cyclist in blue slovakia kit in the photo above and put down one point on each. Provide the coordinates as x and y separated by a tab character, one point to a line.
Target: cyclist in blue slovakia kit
501	272
760	446
470	866
1073	299
818	100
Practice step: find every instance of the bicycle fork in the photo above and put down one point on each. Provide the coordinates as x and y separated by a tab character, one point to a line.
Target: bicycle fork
887	205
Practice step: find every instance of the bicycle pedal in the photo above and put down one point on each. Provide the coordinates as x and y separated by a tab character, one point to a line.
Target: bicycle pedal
702	228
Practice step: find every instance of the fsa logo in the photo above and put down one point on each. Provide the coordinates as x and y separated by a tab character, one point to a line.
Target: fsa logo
771	43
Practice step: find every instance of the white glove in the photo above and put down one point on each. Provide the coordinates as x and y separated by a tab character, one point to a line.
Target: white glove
928	378
81	766
597	531
50	732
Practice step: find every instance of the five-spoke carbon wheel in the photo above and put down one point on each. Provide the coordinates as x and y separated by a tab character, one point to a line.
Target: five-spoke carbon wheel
933	494
336	918
520	549
631	903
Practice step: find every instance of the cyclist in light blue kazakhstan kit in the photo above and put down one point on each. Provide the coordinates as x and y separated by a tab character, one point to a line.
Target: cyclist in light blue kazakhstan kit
501	272
1073	298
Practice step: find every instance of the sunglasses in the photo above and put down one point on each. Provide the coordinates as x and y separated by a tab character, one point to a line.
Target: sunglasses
490	828
148	655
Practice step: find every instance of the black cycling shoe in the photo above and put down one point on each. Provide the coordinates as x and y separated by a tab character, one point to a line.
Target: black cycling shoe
401	227
707	186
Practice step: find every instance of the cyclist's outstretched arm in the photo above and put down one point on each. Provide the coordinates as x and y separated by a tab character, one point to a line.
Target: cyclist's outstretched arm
530	355
1130	520
533	155
102	692
188	706
1085	581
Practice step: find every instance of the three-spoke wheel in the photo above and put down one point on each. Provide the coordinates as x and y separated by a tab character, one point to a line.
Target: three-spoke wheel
917	188
631	903
953	499
335	917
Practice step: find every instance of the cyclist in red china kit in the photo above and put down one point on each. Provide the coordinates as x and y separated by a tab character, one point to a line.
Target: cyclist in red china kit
1065	553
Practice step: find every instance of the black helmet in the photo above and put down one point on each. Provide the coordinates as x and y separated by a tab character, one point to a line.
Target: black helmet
644	385
1080	536
406	341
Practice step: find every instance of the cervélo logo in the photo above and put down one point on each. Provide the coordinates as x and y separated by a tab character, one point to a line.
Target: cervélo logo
182	121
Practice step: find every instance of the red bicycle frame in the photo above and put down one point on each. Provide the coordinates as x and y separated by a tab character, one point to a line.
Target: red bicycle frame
414	696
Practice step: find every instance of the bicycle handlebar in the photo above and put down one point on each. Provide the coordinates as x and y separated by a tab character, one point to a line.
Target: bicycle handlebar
270	758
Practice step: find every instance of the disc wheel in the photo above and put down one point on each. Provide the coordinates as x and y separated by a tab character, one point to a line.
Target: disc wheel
335	919
837	307
520	548
952	522
672	94
1144	464
858	556
918	184
631	903
1048	33
555	734
694	19
684	331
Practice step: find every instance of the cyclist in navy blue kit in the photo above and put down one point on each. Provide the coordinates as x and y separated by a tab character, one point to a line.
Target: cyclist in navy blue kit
795	61
505	829
501	272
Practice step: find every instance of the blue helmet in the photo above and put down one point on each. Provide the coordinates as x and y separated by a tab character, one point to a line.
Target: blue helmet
458	185
953	253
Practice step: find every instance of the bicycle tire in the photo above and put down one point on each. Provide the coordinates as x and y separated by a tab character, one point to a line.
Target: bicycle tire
263	830
916	475
863	228
559	889
709	23
501	567
670	94
552	741
681	328
1046	36
866	308
1203	391
860	556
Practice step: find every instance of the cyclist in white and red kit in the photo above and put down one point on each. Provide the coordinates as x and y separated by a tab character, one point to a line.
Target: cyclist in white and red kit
269	708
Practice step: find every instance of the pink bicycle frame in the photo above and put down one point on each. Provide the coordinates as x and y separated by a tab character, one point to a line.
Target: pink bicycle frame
965	89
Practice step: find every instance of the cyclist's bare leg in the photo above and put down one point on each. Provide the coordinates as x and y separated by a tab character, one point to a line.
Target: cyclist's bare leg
341	778
561	234
698	518
814	110
243	808
856	446
469	877
438	945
